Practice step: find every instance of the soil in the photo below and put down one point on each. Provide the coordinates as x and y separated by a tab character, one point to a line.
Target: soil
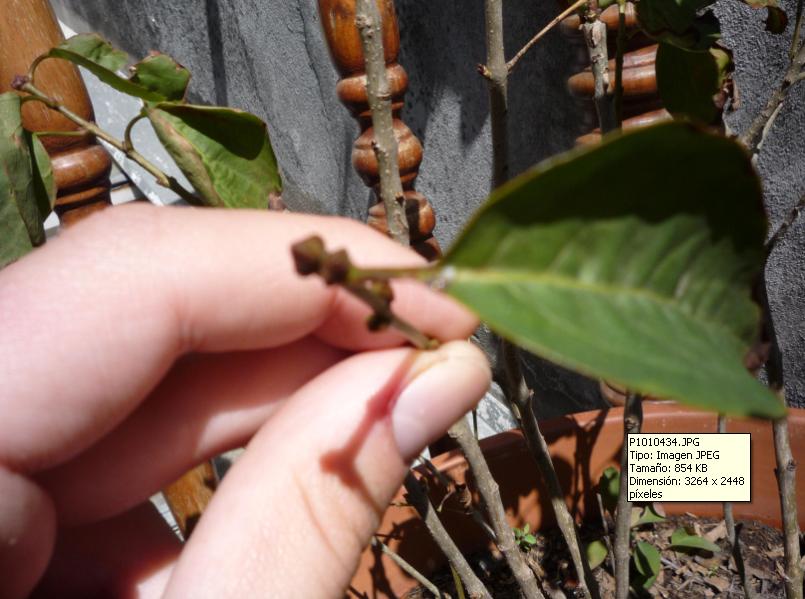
683	576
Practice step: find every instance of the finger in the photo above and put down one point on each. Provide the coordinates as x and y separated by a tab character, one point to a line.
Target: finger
294	513
131	555
27	534
207	404
110	304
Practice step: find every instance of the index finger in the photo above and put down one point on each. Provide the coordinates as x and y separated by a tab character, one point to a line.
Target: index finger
90	323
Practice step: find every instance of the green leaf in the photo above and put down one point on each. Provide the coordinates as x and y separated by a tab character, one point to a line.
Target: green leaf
646	561
645	515
99	57
609	487
682	539
14	239
225	153
596	553
43	179
632	261
679	22
18	187
691	84
530	539
163	75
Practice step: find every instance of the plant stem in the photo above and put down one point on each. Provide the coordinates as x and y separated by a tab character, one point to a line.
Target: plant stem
595	36
22	84
419	499
497	74
367	18
619	52
570	9
632	421
605	526
129	128
754	137
786	481
792	52
492	503
729	519
520	396
408	568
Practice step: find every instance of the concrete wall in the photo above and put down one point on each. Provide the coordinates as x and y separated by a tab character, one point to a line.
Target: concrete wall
268	57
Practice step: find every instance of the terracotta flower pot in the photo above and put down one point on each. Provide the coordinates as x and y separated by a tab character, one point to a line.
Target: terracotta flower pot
582	446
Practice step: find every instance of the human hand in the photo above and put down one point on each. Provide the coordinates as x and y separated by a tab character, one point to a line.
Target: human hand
147	340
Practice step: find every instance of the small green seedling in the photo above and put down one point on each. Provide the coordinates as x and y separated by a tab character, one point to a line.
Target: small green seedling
524	538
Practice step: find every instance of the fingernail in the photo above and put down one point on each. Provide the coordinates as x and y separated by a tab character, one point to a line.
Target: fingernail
444	385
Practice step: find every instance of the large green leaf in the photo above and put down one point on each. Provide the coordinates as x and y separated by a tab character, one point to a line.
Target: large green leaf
632	261
225	153
43	179
18	189
691	84
14	239
99	57
163	75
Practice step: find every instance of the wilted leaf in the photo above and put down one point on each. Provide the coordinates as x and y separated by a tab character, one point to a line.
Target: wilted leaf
679	22
103	60
632	261
225	153
691	84
682	539
43	179
596	553
163	75
609	487
18	191
776	20
645	515
646	561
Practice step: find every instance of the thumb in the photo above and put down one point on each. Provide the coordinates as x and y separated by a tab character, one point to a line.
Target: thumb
293	515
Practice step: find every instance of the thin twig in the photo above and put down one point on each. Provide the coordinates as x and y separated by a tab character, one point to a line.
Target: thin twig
129	128
729	519
619	52
367	18
595	36
786	472
524	50
24	85
408	568
474	513
754	137
632	421
497	75
493	505
419	499
605	526
792	52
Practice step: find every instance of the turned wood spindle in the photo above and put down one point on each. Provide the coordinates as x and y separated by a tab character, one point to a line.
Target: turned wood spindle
641	100
343	39
81	166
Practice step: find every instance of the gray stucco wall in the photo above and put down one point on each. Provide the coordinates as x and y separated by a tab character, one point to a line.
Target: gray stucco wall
269	57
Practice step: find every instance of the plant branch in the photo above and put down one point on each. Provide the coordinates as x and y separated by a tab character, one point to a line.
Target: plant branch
595	36
311	257
605	526
367	18
797	30
632	422
524	50
521	403
786	472
754	137
497	74
619	52
408	568
127	143
493	505
729	519
419	499
23	84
